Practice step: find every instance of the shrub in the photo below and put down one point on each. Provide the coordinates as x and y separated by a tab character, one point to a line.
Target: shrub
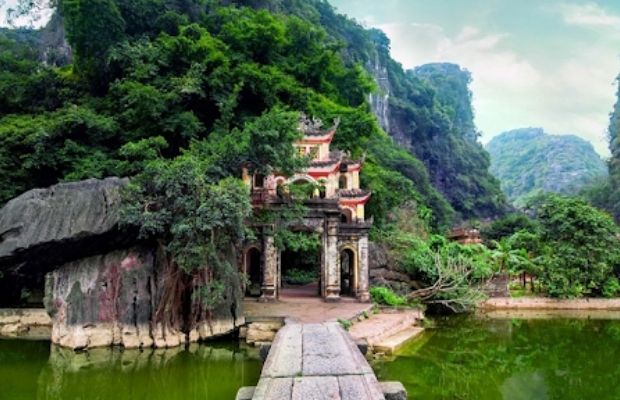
345	323
385	296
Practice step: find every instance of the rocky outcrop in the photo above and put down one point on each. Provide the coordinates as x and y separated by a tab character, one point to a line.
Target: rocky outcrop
380	101
102	285
45	228
38	226
497	286
111	299
33	323
383	274
105	300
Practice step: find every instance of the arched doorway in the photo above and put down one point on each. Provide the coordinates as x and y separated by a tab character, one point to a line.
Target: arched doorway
300	264
343	182
346	216
348	274
254	272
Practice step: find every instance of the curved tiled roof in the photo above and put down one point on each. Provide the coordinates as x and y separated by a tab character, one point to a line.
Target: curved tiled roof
353	193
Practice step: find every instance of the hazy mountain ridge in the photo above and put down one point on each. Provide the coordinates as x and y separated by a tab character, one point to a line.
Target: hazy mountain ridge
529	161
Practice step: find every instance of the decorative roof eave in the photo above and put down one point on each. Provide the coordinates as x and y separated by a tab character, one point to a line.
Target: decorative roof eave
318	137
355	200
324	163
321	172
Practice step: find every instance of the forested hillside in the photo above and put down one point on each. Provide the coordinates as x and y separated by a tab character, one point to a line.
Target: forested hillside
148	78
606	195
529	161
613	202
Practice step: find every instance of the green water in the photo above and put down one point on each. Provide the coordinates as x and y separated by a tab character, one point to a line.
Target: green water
475	358
36	370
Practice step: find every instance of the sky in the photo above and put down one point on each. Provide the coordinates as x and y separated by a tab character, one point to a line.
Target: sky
539	63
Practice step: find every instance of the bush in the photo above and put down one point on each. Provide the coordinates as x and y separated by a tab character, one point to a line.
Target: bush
611	287
296	276
385	296
577	250
507	226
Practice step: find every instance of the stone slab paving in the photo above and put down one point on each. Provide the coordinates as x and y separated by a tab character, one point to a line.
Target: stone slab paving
316	362
304	310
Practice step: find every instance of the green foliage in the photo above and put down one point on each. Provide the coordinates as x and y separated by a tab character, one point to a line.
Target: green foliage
92	26
447	272
507	226
345	323
529	161
385	296
436	99
196	217
296	276
183	70
606	193
576	252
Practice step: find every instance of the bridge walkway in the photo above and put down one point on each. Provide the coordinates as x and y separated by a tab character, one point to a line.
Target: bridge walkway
316	362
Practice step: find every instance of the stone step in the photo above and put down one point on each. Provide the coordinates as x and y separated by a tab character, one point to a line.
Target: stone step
392	343
381	326
391	330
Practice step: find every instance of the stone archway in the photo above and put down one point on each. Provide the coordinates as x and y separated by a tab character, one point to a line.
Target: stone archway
254	272
348	272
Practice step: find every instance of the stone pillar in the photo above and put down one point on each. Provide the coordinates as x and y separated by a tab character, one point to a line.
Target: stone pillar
332	267
270	270
363	270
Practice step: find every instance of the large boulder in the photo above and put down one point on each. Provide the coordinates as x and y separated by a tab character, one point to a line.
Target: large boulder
46	227
111	299
102	285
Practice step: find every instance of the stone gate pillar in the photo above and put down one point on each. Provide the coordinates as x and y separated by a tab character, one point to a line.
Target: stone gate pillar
332	268
269	287
363	270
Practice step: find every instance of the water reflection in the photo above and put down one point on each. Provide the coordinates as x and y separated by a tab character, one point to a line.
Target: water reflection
511	359
202	372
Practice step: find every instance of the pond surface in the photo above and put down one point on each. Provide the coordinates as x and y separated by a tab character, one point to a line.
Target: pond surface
35	370
477	358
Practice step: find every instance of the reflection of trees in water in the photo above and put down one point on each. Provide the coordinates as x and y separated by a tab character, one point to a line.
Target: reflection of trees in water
513	359
198	372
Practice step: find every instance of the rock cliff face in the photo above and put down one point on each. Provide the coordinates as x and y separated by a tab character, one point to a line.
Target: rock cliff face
102	286
383	274
428	112
380	101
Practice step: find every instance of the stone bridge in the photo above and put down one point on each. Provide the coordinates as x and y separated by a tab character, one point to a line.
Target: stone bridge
318	361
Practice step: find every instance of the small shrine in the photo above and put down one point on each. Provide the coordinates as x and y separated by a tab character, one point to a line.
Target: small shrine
335	212
465	236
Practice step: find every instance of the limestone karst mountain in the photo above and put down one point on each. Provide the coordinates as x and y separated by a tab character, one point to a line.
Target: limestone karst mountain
529	161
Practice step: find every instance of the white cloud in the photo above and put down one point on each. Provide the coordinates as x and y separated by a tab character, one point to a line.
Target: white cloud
36	19
588	15
572	93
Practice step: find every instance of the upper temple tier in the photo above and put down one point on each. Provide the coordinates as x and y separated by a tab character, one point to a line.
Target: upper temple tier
334	175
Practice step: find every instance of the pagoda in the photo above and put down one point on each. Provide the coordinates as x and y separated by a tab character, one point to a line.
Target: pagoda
335	211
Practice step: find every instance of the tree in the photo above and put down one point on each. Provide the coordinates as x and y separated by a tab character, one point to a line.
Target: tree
581	256
93	27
